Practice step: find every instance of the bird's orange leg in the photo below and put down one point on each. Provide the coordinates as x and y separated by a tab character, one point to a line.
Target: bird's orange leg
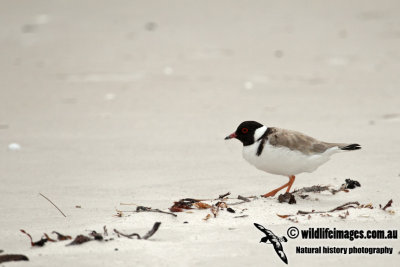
288	185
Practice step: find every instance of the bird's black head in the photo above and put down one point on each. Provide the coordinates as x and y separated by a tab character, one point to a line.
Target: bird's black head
245	132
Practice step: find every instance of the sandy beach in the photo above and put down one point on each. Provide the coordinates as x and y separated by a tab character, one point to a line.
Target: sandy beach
110	102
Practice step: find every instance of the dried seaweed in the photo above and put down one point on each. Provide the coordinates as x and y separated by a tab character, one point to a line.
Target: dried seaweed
147	209
96	236
284	216
49	238
79	240
182	204
224	195
61	237
241	216
245	199
39	243
13	257
146	236
202	205
341	207
389	204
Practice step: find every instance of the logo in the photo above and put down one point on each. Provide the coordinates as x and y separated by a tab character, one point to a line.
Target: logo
273	240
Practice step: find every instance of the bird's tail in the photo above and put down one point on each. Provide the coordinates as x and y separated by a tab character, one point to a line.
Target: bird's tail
350	147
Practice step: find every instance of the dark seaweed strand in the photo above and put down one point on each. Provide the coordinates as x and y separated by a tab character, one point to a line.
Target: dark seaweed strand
263	138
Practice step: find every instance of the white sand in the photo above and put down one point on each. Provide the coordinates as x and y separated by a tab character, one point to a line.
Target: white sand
129	101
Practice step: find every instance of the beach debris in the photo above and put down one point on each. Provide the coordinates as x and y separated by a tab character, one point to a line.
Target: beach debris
39	243
78	206
61	237
139	209
366	206
207	217
312	189
345	206
344	216
93	235
189	203
214	210
185	203
293	220
119	213
96	236
221	204
351	184
202	205
105	230
241	216
52	204
49	238
389	204
284	216
13	257
230	210
287	197
161	211
79	240
224	195
245	199
142	208
146	236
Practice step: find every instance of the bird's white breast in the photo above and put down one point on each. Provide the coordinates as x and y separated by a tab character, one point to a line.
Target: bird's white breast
282	160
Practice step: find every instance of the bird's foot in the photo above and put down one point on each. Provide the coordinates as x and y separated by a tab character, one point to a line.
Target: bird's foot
270	194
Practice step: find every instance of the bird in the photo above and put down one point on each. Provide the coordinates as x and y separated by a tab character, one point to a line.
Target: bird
284	152
274	240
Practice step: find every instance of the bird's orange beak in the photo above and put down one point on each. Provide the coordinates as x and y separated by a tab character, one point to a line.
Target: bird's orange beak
233	135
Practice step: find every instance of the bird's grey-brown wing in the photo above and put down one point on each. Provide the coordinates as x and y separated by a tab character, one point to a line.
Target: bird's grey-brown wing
297	141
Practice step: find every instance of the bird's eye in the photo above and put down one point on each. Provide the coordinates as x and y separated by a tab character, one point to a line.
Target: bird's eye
245	130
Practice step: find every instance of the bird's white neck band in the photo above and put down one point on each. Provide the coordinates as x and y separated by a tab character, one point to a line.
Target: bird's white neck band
259	132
